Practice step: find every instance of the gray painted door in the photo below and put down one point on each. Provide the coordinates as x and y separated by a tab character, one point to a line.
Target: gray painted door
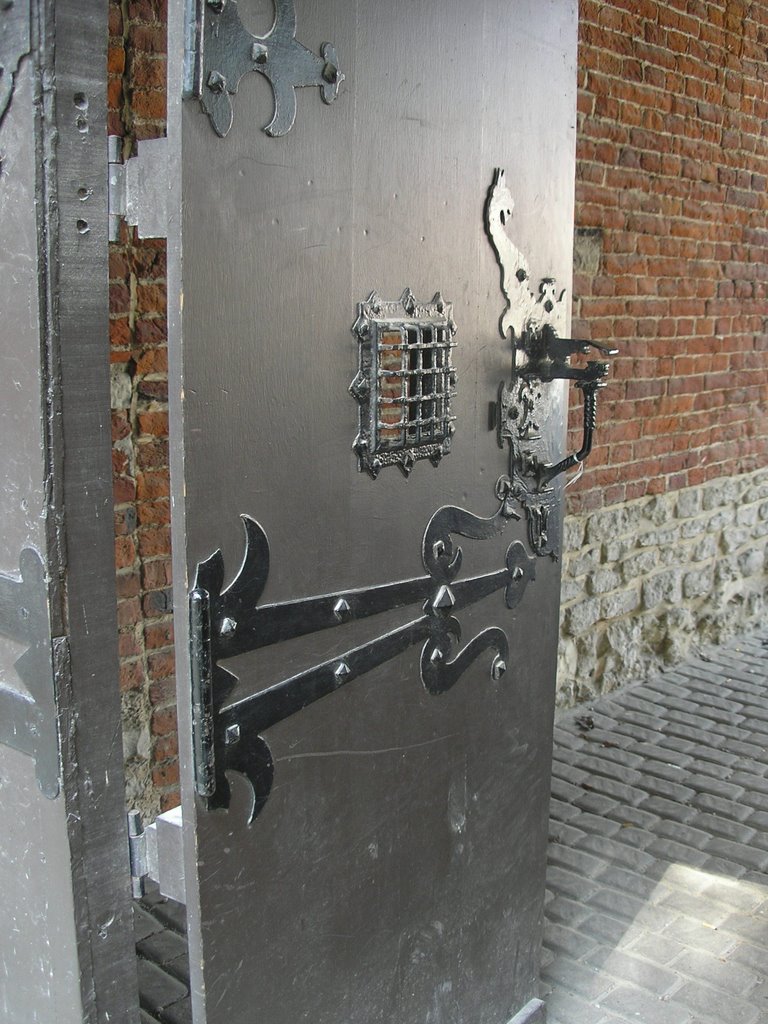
394	872
66	938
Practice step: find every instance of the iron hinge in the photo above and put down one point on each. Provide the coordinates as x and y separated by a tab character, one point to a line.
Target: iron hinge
138	188
155	852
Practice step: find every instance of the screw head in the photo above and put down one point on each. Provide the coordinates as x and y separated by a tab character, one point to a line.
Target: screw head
498	668
228	626
232	733
341	610
259	53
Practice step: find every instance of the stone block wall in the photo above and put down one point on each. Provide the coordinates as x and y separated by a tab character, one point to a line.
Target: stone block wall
665	537
645	580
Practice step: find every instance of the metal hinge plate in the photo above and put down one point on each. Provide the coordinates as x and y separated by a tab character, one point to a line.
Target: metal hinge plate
155	852
138	188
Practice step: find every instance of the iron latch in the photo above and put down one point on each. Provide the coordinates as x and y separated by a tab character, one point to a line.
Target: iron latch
138	188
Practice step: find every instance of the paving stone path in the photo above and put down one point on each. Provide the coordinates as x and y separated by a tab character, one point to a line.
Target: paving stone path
657	907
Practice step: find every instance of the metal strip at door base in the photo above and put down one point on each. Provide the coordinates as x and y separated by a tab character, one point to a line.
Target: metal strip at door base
225	622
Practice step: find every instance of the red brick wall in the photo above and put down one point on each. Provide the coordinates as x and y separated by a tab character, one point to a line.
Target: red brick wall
672	262
672	162
137	77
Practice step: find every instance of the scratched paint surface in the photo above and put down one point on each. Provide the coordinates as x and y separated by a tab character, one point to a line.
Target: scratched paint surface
39	977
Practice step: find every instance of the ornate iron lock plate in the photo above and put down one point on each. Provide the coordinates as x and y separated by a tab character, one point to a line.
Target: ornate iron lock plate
539	356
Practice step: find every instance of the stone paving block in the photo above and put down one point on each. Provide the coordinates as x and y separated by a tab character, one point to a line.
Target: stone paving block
595	823
686	834
593	765
723	974
574	1010
561	939
749	856
607	930
157	989
679	745
750	927
564	736
750	781
649	889
724	868
716	1007
658	948
725	808
613	754
562	833
639	1005
614	790
594	803
567	772
569	912
634	816
574	976
625	967
676	791
144	924
717	825
668	809
562	811
661	770
570	884
162	947
754	752
717	787
616	852
696	907
668	849
755	800
660	751
753	957
741	895
697	935
577	860
565	792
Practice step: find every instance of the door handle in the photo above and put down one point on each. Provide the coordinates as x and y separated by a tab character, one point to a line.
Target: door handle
545	358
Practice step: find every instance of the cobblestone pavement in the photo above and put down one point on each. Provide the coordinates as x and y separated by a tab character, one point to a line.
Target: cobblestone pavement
657	906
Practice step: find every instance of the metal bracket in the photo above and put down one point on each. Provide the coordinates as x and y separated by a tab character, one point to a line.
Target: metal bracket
138	188
223	51
15	43
155	852
28	719
226	622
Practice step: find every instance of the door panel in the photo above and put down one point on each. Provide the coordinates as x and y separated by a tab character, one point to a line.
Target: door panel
395	872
